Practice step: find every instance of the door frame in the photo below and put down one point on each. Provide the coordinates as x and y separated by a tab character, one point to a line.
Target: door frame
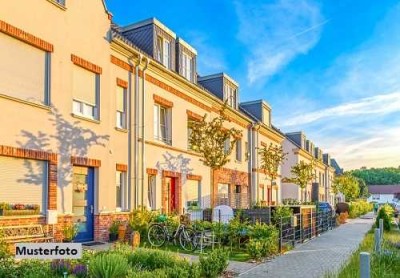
165	192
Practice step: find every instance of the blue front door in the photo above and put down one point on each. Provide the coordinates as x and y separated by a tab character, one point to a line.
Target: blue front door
83	202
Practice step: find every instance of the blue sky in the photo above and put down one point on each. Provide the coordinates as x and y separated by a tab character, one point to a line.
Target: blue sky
330	68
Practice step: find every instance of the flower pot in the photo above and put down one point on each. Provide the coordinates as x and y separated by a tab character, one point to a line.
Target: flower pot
112	237
121	232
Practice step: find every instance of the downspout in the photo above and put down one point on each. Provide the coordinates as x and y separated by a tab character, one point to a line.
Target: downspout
136	148
128	203
257	166
253	187
143	127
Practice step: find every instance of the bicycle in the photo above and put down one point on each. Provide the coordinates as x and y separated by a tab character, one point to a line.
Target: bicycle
159	233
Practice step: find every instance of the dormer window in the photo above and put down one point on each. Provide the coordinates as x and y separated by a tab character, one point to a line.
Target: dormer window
163	51
187	66
231	96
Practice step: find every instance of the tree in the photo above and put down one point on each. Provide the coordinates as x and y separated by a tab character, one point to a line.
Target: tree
347	185
271	158
214	142
302	175
363	188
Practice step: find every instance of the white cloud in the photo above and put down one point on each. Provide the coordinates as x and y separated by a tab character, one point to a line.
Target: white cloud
380	104
276	33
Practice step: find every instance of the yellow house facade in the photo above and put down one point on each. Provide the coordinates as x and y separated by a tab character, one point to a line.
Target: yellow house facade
298	149
94	123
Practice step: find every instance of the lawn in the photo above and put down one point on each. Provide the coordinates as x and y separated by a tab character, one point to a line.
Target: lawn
385	265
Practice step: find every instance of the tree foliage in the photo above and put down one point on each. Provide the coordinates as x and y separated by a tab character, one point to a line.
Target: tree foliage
348	185
271	158
378	176
209	138
302	174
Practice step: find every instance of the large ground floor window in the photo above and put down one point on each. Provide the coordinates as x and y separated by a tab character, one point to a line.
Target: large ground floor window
23	183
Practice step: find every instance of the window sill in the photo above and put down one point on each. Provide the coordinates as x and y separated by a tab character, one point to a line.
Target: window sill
58	5
42	106
121	129
85	118
163	142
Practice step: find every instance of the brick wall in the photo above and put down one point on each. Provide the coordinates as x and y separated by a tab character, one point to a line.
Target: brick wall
102	223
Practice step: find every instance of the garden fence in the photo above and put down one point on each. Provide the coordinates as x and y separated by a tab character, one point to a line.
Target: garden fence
292	230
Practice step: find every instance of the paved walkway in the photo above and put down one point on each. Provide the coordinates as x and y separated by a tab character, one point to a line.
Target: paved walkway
326	253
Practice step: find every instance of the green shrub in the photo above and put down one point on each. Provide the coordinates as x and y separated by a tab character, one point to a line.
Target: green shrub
4	250
140	219
359	208
255	249
237	229
158	273
148	259
108	265
282	212
385	213
214	264
263	231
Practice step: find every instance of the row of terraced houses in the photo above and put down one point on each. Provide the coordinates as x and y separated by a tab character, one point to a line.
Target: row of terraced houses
94	122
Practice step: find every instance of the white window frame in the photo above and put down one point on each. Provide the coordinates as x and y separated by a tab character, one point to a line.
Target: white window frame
187	66
85	109
231	96
227	145
158	127
121	115
121	182
159	49
152	190
166	60
239	150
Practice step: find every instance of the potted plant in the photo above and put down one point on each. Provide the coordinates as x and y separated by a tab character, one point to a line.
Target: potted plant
69	232
113	231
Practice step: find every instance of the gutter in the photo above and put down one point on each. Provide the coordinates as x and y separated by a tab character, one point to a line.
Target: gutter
143	128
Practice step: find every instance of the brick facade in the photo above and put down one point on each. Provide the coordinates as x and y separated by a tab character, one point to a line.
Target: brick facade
102	223
86	64
25	37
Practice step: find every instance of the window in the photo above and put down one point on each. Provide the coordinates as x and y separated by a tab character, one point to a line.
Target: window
187	67
247	152
166	53
231	96
239	150
24	71
23	175
162	124
121	107
121	190
238	189
152	192
84	91
262	192
159	49
191	194
227	146
61	2
189	133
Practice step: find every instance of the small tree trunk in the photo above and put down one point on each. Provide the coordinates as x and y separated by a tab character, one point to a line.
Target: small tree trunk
212	193
270	193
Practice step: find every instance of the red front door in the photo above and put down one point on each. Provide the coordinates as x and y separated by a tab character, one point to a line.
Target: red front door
171	194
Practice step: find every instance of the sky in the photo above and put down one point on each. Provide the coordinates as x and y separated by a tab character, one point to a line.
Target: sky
329	68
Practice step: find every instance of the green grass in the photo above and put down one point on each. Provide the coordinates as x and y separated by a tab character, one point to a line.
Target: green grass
236	254
387	264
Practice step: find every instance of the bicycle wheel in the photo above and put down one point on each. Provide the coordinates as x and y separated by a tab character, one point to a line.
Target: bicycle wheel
188	239
156	235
